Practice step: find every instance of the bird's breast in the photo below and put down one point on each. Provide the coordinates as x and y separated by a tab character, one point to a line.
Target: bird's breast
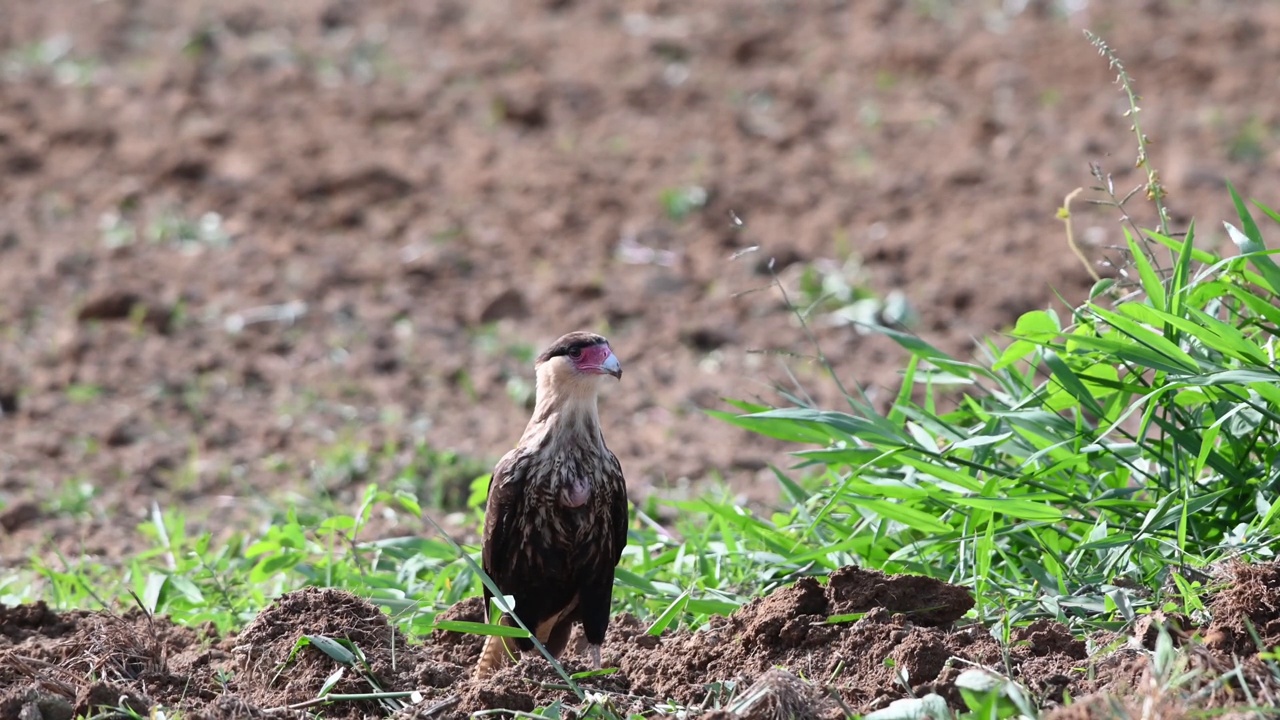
575	492
565	501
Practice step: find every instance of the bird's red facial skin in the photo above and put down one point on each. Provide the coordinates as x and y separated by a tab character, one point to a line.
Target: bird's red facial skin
591	358
595	360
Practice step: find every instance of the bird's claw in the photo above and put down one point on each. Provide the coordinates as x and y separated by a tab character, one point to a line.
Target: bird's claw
595	657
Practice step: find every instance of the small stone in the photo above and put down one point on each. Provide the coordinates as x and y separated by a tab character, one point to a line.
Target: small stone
524	102
18	516
120	305
509	304
112	305
705	338
125	432
775	260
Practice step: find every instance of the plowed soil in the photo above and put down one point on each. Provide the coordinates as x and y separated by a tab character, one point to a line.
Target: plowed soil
235	236
780	648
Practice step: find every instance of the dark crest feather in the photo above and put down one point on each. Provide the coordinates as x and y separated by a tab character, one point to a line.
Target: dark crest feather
568	343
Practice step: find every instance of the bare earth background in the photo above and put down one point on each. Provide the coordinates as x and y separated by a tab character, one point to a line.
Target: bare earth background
412	198
237	235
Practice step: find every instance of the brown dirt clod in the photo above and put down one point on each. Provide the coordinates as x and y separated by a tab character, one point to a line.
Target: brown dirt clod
1250	598
925	600
273	672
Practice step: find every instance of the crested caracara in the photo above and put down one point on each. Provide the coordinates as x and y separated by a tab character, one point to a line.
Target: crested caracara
556	518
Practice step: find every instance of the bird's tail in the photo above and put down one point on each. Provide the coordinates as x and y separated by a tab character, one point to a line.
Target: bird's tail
498	653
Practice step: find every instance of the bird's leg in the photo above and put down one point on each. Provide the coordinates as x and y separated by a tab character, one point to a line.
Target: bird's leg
498	653
595	657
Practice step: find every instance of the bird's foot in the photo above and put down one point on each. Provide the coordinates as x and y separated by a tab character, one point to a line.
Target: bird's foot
595	657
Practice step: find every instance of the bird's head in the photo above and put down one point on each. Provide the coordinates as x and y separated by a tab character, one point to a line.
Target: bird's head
575	363
568	379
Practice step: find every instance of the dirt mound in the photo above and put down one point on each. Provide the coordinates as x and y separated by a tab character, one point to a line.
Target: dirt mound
1244	621
19	622
855	642
1247	613
87	661
277	670
790	628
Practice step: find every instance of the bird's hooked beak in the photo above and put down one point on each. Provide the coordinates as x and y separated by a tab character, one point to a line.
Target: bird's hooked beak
611	366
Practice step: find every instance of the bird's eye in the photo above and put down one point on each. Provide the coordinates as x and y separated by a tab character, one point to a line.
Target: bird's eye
575	353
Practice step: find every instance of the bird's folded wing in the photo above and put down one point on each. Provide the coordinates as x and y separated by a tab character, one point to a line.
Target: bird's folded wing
501	528
618	510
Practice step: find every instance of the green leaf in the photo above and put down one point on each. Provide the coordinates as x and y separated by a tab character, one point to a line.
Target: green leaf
1150	282
332	680
1257	305
844	618
707	606
1070	382
1161	517
1013	507
1201	256
747	408
916	346
981	441
479	628
1132	352
906	389
941	472
1037	326
1250	243
928	707
794	492
1120	597
1211	332
979	681
831	425
408	501
1147	337
779	428
336	523
588	674
334	649
1267	211
669	615
1229	339
153	595
845	455
630	579
273	565
187	588
1101	287
1181	271
909	516
1016	351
